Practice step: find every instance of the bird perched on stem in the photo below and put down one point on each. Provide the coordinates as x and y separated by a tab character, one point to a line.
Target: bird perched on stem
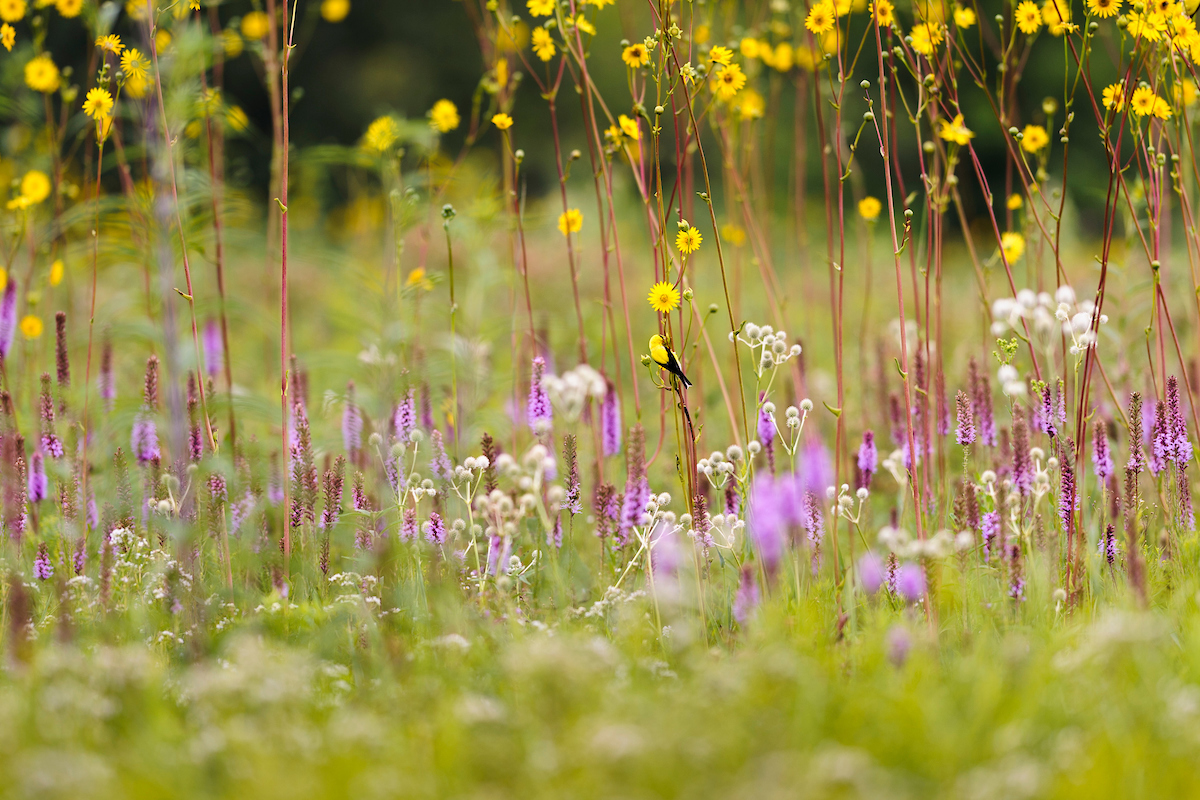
661	354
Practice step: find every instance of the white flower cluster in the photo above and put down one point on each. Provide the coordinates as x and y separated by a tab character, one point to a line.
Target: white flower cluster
570	391
900	542
718	467
1047	314
770	345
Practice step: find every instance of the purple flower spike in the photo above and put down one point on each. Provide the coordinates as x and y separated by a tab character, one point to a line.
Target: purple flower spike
213	350
352	423
8	317
610	421
1102	461
538	411
870	572
39	484
435	529
868	459
910	580
405	418
964	434
747	597
42	568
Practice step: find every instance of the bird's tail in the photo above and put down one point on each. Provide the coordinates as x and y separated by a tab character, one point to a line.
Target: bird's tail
686	382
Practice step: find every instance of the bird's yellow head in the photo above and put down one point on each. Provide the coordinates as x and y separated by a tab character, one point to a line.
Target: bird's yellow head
656	341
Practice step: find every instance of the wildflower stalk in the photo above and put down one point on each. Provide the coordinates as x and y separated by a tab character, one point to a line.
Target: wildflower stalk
187	269
282	200
216	188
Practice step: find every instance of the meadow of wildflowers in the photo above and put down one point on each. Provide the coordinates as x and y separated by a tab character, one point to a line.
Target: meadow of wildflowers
725	398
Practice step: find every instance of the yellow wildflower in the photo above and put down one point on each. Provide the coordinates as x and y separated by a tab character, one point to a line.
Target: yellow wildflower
1143	101
721	55
99	103
443	117
821	17
335	10
381	135
629	127
236	118
955	131
231	43
664	298
1104	8
1013	245
750	105
729	82
1057	16
570	221
41	74
418	280
1114	96
1014	202
543	45
784	58
31	327
1162	109
688	240
502	121
1029	18
734	234
56	272
749	47
869	208
8	36
924	38
963	17
884	13
540	8
255	25
110	44
1034	138
636	55
35	186
12	10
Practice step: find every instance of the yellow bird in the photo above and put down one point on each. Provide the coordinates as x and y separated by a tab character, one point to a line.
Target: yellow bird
1191	6
661	354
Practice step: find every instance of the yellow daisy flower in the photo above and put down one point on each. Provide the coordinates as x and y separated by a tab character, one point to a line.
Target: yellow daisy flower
12	10
821	17
1029	17
502	121
1034	138
1104	8
31	327
955	131
869	208
35	186
41	74
721	55
543	45
335	10
884	13
570	221
443	117
664	298
1013	245
636	55
963	17
99	103
729	81
688	240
